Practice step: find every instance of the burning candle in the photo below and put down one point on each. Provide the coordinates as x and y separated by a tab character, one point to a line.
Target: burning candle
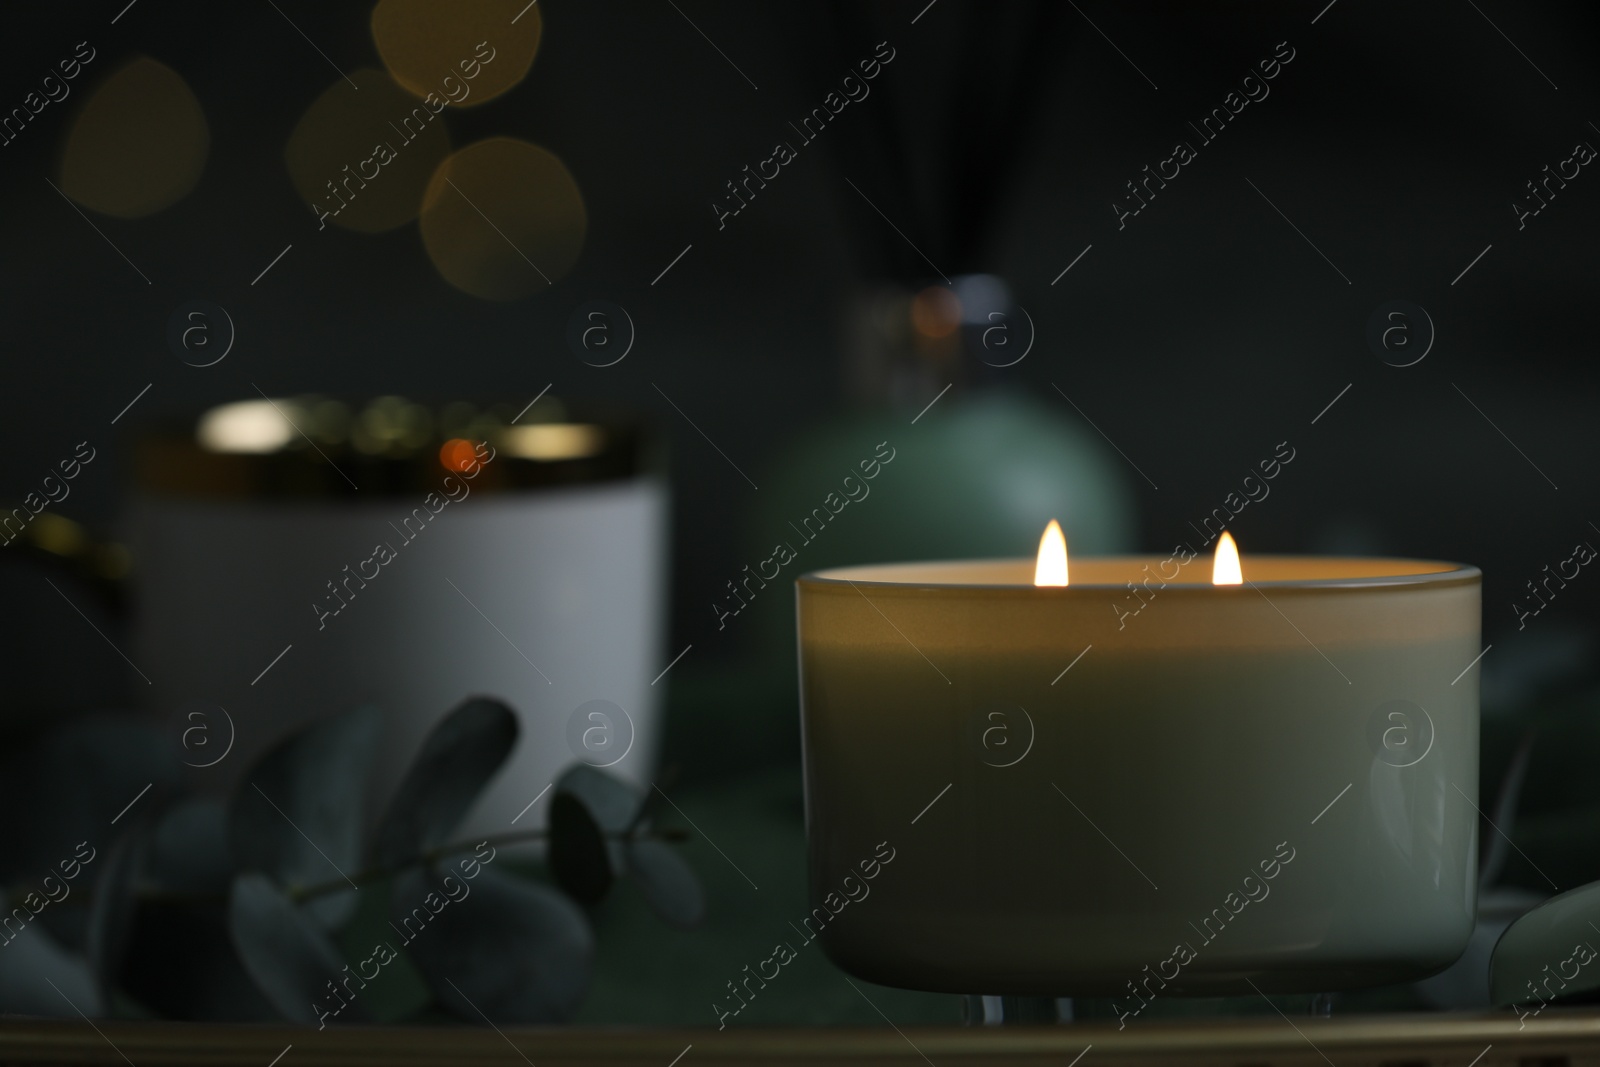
1141	783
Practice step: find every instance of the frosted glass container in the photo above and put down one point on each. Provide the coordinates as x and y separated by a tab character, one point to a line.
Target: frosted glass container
1141	790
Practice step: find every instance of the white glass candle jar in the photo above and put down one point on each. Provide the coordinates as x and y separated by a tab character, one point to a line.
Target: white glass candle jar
1146	789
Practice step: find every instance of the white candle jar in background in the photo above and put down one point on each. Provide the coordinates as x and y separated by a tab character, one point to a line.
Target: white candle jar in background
277	584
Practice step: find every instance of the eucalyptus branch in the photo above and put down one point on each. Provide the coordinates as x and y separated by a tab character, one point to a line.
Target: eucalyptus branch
365	877
433	855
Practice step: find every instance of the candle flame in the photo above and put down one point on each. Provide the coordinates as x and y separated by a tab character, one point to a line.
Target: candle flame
1051	569
1225	568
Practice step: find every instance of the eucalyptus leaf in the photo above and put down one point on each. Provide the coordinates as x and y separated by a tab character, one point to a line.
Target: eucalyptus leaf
111	913
181	964
508	951
1533	957
454	764
667	881
189	848
291	959
1505	813
31	962
298	813
69	923
1465	983
108	758
578	856
613	806
613	802
1557	847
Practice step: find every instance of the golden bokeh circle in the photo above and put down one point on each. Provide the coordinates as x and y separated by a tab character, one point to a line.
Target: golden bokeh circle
138	144
465	54
360	158
503	219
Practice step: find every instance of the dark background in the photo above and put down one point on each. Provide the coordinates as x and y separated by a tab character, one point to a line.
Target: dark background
1197	337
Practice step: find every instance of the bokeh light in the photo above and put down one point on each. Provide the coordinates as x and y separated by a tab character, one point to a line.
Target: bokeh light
935	312
247	426
391	425
503	219
458	455
466	54
138	144
550	441
361	158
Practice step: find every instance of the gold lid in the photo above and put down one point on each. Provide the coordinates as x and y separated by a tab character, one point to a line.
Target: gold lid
315	447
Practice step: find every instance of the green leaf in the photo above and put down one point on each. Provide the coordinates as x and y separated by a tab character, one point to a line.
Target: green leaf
667	881
30	962
108	759
579	858
1553	947
181	963
297	815
111	910
189	848
613	802
456	761
589	811
287	954
508	951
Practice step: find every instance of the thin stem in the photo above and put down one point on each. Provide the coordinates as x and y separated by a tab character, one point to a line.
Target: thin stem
433	855
377	873
373	874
